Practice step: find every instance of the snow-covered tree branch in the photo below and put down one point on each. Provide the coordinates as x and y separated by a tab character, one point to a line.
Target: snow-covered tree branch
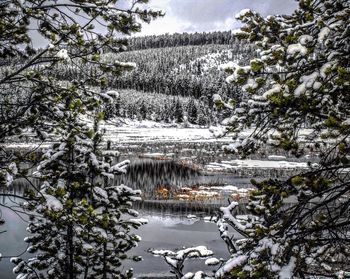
299	80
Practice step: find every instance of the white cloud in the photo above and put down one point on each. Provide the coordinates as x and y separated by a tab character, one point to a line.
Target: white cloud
207	15
228	24
165	25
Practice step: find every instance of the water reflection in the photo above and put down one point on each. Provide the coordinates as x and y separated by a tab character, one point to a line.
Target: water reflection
147	175
164	231
11	240
175	232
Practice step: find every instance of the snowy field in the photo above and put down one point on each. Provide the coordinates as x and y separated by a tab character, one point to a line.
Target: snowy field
127	132
132	131
153	132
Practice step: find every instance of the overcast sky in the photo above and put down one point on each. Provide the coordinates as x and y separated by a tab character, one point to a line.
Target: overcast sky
208	15
198	15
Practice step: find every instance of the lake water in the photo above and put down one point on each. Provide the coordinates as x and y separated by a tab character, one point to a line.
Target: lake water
175	232
163	231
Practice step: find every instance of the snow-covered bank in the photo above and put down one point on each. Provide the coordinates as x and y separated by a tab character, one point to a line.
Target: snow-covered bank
128	131
254	164
257	168
121	131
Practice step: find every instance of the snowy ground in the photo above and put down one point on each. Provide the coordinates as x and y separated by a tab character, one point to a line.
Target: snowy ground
253	164
150	131
129	131
120	130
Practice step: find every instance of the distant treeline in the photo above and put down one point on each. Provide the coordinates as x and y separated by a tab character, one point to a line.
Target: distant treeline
160	107
183	39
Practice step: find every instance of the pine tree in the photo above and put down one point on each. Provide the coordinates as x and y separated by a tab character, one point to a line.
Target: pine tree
165	116
202	118
192	112
80	227
143	111
178	113
299	78
117	106
30	77
113	109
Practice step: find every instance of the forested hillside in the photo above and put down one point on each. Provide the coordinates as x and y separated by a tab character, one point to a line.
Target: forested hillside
185	71
187	65
178	68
